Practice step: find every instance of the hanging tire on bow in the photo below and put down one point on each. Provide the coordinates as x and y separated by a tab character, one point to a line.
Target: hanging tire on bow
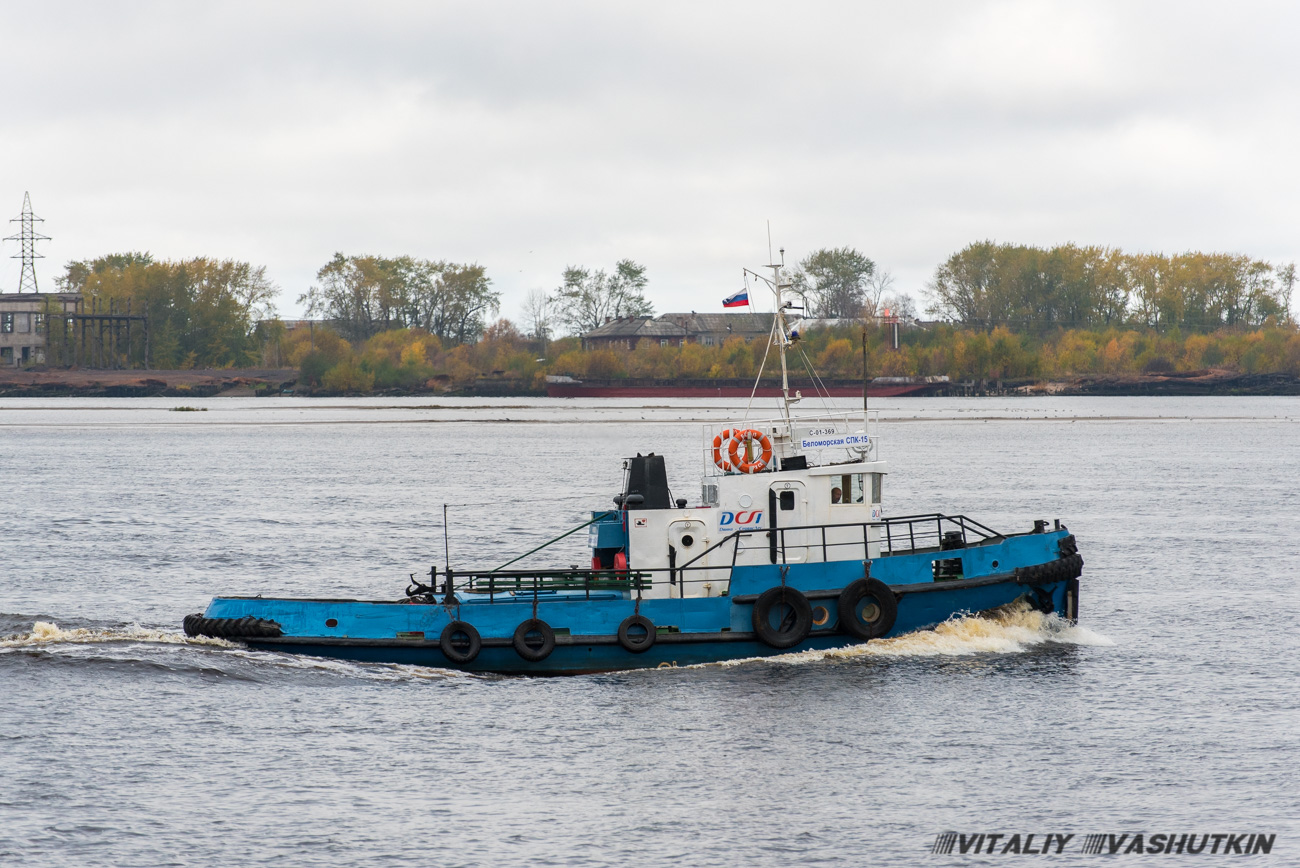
750	439
460	642
782	617
867	609
534	640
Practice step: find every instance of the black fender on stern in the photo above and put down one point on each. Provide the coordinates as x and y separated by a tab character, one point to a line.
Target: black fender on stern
246	627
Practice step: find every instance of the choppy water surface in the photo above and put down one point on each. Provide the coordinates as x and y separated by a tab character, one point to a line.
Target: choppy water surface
1172	707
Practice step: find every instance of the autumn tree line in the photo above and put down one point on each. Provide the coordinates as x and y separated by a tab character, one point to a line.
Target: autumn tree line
1029	289
1000	312
202	312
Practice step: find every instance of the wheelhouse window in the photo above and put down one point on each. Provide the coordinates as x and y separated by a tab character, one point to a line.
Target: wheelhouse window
847	488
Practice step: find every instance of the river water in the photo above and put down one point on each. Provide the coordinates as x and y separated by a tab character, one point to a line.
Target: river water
1174	706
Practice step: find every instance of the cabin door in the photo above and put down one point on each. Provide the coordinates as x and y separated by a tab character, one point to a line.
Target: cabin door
788	539
686	540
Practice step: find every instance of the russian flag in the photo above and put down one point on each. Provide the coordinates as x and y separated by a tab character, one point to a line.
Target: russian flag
739	299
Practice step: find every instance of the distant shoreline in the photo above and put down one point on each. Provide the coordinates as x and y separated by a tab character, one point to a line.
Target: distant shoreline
273	382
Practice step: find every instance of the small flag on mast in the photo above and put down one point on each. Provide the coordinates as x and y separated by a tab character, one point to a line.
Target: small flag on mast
739	299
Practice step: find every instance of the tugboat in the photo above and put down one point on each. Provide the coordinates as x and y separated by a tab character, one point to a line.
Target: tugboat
788	550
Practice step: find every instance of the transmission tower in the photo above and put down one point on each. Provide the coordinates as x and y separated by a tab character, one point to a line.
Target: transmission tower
27	237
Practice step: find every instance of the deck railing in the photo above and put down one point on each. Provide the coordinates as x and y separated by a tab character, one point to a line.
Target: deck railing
897	536
902	535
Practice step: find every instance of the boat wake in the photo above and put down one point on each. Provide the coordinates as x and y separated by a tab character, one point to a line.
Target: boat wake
1014	628
46	633
1010	629
235	659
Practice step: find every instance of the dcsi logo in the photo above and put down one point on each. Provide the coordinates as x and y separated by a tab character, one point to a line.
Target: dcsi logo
748	516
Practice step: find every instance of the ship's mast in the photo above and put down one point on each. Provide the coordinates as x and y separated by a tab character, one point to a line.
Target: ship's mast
780	332
782	338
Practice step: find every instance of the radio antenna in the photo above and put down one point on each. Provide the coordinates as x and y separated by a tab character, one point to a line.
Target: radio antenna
864	375
446	550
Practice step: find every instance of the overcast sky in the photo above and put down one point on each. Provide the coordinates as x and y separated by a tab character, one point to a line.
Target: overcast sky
531	136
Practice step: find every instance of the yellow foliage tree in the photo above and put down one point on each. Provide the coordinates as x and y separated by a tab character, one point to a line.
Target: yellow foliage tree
605	363
836	358
693	361
300	342
1194	352
348	376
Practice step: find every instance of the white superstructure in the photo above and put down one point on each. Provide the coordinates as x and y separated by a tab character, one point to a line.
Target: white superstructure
798	489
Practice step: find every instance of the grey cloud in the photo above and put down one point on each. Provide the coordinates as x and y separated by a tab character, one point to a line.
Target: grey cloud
665	132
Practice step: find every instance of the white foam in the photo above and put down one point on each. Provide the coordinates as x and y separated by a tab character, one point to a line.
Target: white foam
45	633
1007	630
349	668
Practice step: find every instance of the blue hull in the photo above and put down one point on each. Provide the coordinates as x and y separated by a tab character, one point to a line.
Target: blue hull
689	631
680	649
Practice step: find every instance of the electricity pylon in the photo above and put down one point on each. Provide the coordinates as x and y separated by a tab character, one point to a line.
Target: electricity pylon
28	236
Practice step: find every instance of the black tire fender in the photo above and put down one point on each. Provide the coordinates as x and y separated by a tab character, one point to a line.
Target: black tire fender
790	632
636	644
528	652
246	627
193	625
858	618
447	642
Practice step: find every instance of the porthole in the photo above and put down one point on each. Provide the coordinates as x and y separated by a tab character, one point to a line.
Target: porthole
995	565
687	540
331	622
821	615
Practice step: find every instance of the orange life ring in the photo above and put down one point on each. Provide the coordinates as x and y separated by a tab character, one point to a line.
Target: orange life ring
745	464
718	440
